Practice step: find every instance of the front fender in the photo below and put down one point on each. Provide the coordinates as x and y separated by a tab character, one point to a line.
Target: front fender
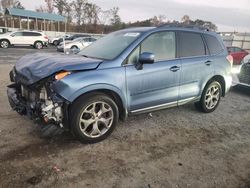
75	85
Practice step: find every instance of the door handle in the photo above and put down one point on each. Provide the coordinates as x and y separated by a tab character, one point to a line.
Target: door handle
208	63
174	68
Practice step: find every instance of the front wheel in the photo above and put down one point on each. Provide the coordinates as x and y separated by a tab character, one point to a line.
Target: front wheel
210	98
4	44
93	117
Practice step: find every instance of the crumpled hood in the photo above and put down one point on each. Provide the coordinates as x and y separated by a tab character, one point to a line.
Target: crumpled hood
34	67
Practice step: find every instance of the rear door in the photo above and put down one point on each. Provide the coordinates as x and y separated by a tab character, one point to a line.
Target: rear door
156	85
31	37
196	64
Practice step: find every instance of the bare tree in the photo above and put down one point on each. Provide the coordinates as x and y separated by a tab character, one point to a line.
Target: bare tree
41	9
79	6
49	6
60	5
115	18
91	13
185	19
10	4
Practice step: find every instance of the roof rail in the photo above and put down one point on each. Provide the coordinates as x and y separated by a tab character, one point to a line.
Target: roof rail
183	26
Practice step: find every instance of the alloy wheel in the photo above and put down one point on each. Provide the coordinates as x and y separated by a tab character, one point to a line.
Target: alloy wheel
212	96
96	119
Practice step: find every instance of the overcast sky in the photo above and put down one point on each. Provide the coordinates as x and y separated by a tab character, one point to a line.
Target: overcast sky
228	15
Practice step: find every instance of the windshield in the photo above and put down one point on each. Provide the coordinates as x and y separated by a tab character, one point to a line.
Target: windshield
110	46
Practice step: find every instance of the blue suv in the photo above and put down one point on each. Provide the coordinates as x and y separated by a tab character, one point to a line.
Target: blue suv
127	72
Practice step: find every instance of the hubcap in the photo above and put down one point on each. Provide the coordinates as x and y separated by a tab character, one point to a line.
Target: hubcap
212	97
4	44
38	45
96	119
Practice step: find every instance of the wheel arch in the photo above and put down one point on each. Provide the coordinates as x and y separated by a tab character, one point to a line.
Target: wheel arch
114	95
219	79
6	40
37	41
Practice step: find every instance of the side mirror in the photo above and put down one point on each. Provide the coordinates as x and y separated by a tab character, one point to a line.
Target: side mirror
145	58
12	35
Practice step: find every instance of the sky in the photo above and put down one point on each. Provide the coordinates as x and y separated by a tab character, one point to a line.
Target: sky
228	15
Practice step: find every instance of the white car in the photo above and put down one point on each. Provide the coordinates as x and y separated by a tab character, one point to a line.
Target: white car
76	45
31	38
55	40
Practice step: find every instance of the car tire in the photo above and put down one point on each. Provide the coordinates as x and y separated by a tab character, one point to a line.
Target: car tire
55	42
93	117
210	98
4	44
38	45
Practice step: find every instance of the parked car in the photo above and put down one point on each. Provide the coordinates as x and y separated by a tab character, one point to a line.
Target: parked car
127	72
237	53
73	37
55	40
3	30
32	38
243	76
76	45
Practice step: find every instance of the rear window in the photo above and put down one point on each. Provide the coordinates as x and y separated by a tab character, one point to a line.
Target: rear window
213	44
191	44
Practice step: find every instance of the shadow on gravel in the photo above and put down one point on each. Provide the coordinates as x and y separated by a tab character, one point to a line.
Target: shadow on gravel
241	90
52	140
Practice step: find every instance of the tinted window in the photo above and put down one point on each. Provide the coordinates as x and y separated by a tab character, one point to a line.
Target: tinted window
31	34
161	44
191	44
213	44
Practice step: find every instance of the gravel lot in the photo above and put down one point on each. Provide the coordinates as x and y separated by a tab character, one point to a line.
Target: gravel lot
178	147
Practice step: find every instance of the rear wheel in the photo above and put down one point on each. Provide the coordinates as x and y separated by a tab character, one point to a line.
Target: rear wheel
93	117
55	42
38	45
210	98
74	49
4	44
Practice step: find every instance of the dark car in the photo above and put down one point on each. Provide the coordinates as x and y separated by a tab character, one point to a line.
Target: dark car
237	53
72	37
127	72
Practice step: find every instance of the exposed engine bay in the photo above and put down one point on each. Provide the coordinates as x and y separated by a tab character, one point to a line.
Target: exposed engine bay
38	102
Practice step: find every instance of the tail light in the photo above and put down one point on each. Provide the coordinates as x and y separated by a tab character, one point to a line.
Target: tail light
46	37
230	60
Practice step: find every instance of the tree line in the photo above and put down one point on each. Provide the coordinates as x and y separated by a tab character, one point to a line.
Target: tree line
83	16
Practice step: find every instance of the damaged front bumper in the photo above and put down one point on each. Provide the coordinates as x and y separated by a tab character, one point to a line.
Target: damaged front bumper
38	106
15	100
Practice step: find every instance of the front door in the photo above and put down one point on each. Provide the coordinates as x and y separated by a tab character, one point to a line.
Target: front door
157	84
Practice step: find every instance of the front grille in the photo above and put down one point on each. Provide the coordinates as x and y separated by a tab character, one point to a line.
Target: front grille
244	76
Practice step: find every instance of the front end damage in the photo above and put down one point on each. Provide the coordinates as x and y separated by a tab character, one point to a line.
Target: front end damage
37	101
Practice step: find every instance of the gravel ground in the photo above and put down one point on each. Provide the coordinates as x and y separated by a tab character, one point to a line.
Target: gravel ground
177	147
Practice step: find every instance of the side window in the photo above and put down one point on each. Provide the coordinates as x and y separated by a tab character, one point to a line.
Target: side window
134	56
18	34
213	44
161	44
31	34
191	44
